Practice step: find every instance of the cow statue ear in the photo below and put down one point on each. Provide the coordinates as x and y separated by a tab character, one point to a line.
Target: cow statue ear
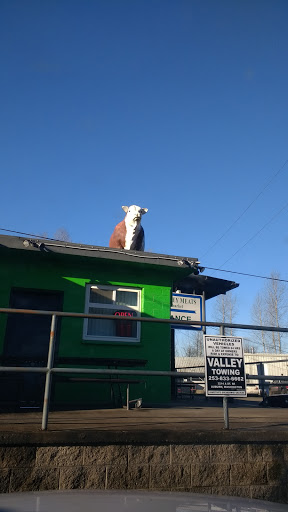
125	208
144	210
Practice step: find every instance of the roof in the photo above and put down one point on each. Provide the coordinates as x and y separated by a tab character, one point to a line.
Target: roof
184	267
37	245
199	284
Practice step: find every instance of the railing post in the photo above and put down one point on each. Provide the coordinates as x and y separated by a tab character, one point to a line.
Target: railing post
225	398
127	397
50	362
226	412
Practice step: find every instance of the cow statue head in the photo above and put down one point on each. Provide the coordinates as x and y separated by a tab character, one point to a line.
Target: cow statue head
134	214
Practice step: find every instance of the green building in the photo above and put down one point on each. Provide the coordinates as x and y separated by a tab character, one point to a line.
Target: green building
59	276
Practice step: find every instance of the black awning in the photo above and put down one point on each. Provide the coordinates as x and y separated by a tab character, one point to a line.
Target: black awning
211	286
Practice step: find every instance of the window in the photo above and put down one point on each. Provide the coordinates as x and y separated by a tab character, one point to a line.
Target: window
112	300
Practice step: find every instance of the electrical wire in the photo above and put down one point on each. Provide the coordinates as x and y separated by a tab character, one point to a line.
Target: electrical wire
247	274
254	236
30	234
246	209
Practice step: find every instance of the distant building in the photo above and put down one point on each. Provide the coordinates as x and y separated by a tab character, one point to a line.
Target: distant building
255	364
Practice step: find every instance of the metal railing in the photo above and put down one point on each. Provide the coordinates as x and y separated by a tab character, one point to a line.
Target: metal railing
50	369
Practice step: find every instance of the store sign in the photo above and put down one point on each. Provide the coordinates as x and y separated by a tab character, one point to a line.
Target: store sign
126	314
125	328
224	366
186	307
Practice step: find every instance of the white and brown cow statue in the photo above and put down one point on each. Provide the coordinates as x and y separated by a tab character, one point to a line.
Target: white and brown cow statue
129	234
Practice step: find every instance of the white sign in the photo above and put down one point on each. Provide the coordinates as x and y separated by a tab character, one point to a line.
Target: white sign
186	307
224	366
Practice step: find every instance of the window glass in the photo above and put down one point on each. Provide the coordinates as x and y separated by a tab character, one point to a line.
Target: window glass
126	329
101	296
126	298
118	302
123	329
100	327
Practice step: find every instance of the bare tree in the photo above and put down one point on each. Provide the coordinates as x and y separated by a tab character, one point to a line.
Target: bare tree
270	309
276	304
250	346
258	316
62	235
225	310
193	344
43	234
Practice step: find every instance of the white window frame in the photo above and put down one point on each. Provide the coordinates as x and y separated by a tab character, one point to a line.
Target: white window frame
110	308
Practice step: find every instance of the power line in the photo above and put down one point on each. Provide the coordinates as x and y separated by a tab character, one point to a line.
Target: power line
30	234
246	209
254	236
246	274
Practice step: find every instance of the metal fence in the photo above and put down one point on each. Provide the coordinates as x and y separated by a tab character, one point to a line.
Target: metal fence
50	369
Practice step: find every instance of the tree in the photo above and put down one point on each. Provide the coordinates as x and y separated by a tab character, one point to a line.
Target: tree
62	235
190	343
258	314
193	345
250	346
270	309
225	310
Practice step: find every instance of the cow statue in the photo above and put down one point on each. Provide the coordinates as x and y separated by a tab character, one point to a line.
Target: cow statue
129	234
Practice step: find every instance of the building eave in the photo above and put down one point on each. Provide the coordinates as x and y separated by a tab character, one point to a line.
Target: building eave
199	284
184	270
97	252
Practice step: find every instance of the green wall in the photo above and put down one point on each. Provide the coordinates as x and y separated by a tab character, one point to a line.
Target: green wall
70	274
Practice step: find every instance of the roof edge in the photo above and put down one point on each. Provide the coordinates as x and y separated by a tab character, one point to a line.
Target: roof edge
69	248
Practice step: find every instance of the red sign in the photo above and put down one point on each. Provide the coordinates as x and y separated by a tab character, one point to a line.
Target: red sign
124	313
124	328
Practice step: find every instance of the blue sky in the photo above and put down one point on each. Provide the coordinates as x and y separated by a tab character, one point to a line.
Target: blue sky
177	106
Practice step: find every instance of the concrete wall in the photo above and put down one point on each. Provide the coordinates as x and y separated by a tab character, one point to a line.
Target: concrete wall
246	468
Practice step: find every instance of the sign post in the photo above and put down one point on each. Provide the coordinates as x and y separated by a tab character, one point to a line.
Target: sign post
225	399
224	366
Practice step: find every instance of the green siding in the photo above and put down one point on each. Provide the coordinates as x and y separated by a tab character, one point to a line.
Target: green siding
70	275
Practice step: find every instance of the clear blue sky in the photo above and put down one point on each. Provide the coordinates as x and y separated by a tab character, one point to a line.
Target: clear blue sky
177	106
